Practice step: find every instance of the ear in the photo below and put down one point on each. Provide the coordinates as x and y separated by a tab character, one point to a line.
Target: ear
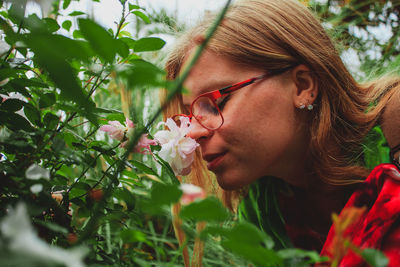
306	90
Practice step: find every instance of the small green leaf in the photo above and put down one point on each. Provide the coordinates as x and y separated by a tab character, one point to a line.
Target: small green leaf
67	25
66	4
76	13
100	40
132	7
209	209
141	15
375	257
149	44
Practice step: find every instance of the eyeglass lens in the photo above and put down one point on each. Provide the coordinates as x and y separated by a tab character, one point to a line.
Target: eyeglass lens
205	111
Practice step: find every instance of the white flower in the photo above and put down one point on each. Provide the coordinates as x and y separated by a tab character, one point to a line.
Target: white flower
17	228
36	188
35	172
176	148
191	193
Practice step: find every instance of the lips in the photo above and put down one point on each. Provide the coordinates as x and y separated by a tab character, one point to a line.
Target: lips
214	160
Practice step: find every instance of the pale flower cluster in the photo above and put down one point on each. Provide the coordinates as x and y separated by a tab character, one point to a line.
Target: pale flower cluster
121	133
176	147
16	227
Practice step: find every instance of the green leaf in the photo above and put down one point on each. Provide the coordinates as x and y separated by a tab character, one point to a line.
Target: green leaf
209	209
131	7
76	13
310	257
50	120
47	49
126	196
12	104
67	25
32	113
374	257
131	236
17	122
165	194
52	25
66	4
141	15
128	41
142	167
149	44
141	73
52	226
100	40
122	48
47	100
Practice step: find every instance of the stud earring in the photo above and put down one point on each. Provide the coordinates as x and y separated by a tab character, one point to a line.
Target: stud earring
302	106
310	107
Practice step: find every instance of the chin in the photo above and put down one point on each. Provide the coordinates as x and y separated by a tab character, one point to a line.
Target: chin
229	184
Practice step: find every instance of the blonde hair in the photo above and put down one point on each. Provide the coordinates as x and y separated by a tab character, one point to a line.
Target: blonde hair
272	35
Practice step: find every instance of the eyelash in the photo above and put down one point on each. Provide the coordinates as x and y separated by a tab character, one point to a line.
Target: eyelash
223	102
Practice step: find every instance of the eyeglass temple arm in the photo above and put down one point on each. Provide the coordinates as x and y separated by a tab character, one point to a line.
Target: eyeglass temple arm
231	88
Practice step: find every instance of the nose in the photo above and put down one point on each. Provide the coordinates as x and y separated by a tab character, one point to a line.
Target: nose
198	131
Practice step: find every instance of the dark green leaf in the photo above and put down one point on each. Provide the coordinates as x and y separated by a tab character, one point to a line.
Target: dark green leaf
100	40
12	104
209	209
47	100
32	113
141	15
374	257
17	122
67	25
149	44
50	120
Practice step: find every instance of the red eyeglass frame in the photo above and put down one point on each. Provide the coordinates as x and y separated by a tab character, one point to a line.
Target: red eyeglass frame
214	95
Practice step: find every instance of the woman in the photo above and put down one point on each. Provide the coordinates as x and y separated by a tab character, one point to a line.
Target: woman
294	113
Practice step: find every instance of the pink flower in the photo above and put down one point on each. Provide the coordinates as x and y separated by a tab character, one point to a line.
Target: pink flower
191	193
176	148
121	133
116	130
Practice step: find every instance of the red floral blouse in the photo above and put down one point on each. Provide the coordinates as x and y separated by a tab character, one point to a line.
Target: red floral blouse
379	226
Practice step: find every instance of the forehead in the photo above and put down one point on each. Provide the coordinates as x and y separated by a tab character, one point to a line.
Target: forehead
212	72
